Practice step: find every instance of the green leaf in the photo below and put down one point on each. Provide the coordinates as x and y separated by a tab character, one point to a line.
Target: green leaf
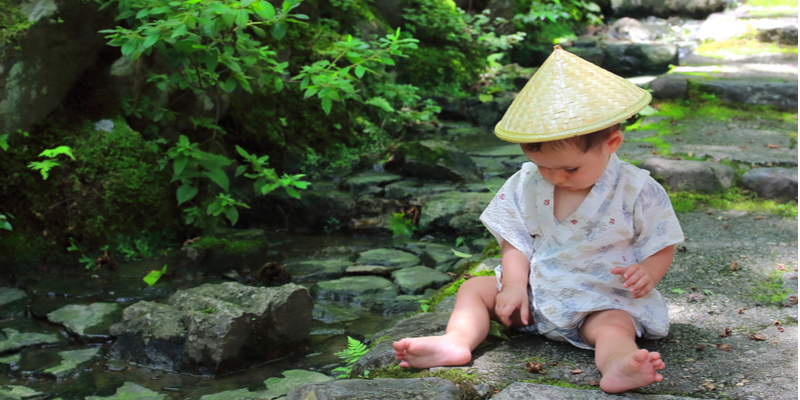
150	41
178	164
218	176
381	103
51	153
265	10
186	192
360	70
460	254
278	83
181	31
326	105
143	13
485	98
154	276
240	170
232	214
310	91
278	31
242	18
229	85
292	192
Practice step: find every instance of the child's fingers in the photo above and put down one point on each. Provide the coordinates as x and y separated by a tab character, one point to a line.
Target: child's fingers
525	312
618	270
633	278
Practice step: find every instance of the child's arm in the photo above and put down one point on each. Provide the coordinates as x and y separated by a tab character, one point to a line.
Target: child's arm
515	286
642	278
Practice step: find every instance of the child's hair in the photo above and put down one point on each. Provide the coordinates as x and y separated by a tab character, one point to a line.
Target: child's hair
583	142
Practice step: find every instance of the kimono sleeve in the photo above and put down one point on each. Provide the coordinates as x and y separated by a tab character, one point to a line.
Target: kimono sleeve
654	221
504	217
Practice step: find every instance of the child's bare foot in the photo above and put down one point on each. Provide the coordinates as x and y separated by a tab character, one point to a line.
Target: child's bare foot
632	371
431	351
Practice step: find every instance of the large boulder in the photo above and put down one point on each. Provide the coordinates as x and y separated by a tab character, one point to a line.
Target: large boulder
772	183
386	389
697	176
213	329
13	302
697	9
454	212
433	160
41	64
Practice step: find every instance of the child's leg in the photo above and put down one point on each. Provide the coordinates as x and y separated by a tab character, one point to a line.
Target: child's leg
467	328
624	366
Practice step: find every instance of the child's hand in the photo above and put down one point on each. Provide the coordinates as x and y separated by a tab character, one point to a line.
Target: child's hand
637	278
509	300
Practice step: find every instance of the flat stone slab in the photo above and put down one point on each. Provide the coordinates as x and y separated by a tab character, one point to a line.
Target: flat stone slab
275	387
90	322
415	280
13	340
317	270
13	302
385	389
389	258
131	390
532	391
73	362
21	393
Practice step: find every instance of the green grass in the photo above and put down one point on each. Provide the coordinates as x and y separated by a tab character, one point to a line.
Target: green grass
742	47
732	199
558	382
770	289
772	3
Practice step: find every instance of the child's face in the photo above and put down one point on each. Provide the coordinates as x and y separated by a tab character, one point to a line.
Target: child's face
570	168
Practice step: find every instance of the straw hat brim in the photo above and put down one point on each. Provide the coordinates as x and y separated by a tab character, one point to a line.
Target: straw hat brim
568	97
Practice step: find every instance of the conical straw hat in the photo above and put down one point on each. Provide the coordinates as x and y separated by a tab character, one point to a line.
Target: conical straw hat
567	97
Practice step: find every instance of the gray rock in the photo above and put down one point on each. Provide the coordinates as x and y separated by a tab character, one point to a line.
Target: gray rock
73	362
214	329
698	176
317	270
402	304
488	114
331	313
386	389
13	302
34	79
21	393
390	258
222	253
368	270
488	264
13	340
435	255
532	391
415	280
639	59
317	205
433	160
130	390
360	182
276	387
754	91
697	9
454	212
89	323
772	183
381	354
355	290
669	86
627	28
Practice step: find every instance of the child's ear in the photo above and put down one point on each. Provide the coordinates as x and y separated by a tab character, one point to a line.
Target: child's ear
613	142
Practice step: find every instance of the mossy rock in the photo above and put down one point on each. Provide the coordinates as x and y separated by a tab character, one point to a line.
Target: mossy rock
434	160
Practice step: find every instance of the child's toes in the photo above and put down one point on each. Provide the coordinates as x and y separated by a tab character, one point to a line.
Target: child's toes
658	364
640	355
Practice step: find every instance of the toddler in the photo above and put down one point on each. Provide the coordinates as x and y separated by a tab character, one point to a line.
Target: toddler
584	236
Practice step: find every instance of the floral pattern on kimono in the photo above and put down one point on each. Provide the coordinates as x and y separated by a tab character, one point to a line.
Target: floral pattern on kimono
626	217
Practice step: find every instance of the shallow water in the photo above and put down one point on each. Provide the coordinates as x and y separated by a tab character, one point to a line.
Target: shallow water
124	286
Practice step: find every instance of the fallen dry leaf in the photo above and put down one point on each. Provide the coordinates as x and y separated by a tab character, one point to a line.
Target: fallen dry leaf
593	382
682	249
709	133
534	367
758	218
695	297
780	328
741	310
700	347
777	323
690	154
552	363
742	147
727	332
576	371
781	267
724	347
772	146
709	386
757	336
709	212
793	299
671	383
734	267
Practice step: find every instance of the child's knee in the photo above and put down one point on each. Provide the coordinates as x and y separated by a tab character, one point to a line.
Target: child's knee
617	321
481	286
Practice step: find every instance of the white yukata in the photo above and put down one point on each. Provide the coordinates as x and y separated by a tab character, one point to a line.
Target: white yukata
625	218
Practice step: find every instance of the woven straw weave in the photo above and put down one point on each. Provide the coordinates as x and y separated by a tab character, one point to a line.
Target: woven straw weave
567	97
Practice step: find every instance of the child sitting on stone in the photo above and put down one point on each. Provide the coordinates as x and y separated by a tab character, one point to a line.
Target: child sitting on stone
584	236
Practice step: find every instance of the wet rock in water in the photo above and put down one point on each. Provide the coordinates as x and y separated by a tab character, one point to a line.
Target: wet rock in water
697	176
381	355
227	251
330	313
386	389
10	363
415	280
18	335
438	255
356	290
13	302
454	212
360	182
89	323
390	258
276	387
73	362
317	270
772	183
435	160
213	329
21	393
398	305
131	390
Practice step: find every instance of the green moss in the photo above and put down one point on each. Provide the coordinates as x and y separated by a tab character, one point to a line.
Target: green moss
13	24
732	199
770	290
772	3
491	250
228	245
465	381
558	382
742	47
